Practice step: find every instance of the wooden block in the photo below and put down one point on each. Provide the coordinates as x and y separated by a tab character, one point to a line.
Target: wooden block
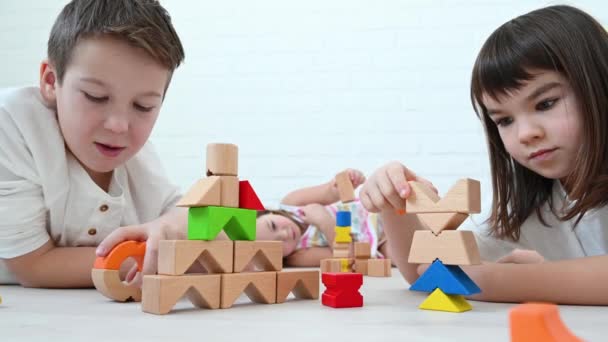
437	222
248	199
341	253
451	247
222	160
342	235
439	301
206	191
303	284
108	282
362	250
260	287
265	255
379	267
120	253
463	197
341	245
331	266
161	292
176	256
361	266
345	187
229	191
532	322
342	290
345	265
205	223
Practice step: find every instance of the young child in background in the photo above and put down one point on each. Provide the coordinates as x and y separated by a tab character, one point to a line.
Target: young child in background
74	160
306	220
540	88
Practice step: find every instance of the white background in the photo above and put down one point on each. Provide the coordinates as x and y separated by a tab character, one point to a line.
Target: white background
307	88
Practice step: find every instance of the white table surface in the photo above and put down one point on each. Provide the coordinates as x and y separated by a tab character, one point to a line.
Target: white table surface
390	313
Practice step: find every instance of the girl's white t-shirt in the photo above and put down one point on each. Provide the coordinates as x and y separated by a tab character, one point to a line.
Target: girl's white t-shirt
46	194
558	241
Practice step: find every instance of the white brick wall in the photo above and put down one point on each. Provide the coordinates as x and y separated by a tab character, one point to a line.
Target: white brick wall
308	88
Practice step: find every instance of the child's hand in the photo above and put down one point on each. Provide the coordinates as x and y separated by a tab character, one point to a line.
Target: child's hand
356	177
317	215
522	256
387	188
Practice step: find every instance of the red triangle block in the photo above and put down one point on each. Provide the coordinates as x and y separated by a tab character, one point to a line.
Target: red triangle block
248	199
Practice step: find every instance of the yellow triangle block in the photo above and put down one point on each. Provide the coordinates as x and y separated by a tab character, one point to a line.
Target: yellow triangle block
342	235
439	301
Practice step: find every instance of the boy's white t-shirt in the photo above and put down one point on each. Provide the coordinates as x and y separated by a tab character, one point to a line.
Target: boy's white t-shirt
46	194
558	241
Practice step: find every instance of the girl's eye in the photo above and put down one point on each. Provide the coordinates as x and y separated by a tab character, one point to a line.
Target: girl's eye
273	226
142	108
506	121
546	104
95	99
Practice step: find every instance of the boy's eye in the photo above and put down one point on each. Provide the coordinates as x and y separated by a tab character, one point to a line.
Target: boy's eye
546	104
142	108
95	98
506	121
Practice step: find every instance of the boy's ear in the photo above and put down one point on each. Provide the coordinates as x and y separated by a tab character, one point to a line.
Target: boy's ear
48	82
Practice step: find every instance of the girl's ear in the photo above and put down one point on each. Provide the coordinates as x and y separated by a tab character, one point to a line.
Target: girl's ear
48	82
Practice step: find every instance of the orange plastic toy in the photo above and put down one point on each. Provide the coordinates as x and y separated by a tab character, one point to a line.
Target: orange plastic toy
539	322
120	253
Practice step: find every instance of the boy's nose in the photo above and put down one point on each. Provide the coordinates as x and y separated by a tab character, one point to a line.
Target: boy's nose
117	123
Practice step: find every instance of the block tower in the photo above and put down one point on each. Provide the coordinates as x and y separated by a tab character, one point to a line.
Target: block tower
444	247
219	202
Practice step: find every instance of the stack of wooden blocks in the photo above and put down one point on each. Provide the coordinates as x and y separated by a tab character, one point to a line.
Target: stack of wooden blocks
444	247
341	261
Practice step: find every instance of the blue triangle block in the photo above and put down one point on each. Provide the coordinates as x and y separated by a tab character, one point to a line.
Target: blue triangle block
451	279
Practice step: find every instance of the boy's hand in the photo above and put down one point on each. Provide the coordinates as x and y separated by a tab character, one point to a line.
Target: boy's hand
522	256
356	177
151	232
387	188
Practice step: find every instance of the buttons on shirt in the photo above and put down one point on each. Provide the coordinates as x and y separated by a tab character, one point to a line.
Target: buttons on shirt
92	231
103	208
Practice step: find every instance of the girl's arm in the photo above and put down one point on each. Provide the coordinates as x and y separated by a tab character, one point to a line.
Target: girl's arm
577	281
54	267
324	194
309	257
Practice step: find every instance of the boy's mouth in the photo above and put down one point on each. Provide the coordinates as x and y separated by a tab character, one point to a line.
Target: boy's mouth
109	150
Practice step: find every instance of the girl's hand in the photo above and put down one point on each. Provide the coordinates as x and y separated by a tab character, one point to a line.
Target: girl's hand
356	177
316	215
522	256
387	188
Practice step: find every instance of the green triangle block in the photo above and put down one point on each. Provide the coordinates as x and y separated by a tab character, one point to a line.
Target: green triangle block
439	301
205	223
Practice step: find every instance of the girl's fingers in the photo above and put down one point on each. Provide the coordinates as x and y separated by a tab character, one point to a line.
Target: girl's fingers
390	194
398	176
367	202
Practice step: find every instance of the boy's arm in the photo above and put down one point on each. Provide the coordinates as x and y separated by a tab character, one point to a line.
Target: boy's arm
577	281
54	267
309	257
323	194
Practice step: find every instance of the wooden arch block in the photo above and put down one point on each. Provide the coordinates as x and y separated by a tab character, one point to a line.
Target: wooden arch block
464	197
260	287
161	292
303	284
437	222
265	255
176	256
451	247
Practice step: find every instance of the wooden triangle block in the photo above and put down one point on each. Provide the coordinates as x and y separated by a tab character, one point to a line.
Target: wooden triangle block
303	284
437	222
109	284
450	279
265	255
531	322
206	191
260	287
248	199
452	247
463	197
439	301
176	256
161	292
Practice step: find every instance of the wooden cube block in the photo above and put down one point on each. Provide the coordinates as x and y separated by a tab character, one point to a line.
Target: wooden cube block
303	284
361	266
331	266
108	282
345	187
222	160
176	256
161	292
265	255
451	247
206	191
379	267
362	250
260	287
464	197
342	235
229	191
341	253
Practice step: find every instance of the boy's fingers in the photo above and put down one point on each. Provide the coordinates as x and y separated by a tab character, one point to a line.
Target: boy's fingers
151	257
119	235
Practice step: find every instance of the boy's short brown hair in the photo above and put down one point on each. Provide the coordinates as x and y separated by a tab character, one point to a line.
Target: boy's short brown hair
142	23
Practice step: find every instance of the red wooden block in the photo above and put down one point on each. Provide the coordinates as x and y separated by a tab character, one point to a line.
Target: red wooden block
248	199
342	290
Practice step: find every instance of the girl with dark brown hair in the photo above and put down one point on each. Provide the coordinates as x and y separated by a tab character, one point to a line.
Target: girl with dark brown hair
540	89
